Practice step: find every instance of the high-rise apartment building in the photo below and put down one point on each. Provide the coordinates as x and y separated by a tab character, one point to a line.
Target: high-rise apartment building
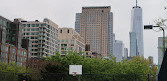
11	37
136	33
95	25
44	36
70	40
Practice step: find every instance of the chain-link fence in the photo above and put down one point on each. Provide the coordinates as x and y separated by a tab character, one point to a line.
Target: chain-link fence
5	76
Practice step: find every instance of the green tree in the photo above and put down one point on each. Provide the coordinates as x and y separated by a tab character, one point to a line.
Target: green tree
11	72
101	70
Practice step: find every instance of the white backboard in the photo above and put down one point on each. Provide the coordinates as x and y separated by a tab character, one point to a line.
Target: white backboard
75	68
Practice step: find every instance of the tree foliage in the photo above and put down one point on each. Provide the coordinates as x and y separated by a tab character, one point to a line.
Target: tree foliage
11	72
138	67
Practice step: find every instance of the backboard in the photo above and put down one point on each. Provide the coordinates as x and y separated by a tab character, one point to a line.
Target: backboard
75	69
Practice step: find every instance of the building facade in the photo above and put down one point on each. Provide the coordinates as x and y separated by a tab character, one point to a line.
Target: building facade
118	51
11	50
95	25
150	59
43	35
70	40
133	44
125	53
137	28
160	51
77	22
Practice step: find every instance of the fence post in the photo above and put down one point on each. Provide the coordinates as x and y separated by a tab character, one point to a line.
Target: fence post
13	76
148	77
135	77
79	78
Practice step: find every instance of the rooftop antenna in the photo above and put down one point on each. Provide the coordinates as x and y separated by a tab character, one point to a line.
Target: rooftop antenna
136	3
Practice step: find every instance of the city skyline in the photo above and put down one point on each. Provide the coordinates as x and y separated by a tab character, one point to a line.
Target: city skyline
29	10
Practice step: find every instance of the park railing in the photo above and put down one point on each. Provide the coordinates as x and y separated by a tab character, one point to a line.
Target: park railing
6	76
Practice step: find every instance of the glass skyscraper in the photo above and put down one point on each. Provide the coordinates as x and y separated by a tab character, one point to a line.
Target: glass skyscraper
136	33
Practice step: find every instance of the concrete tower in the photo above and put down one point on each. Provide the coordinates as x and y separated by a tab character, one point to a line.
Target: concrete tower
136	33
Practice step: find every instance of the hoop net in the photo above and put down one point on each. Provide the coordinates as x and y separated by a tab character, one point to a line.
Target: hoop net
75	73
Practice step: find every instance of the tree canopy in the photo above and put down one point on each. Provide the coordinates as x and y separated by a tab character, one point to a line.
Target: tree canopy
138	66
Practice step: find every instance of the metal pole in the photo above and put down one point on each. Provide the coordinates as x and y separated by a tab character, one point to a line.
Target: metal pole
79	78
163	41
148	77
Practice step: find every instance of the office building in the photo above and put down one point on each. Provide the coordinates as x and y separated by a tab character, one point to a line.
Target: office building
137	32
95	25
43	35
133	44
125	53
118	51
77	22
160	51
70	40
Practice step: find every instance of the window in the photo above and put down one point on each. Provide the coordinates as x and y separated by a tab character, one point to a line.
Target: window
28	25
25	53
70	48
24	25
33	29
37	25
32	33
63	44
34	45
32	37
68	31
37	29
72	41
67	40
62	40
32	25
6	48
28	29
42	25
62	48
60	31
13	38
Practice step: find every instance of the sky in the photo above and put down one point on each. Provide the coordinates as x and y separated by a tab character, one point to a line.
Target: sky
62	12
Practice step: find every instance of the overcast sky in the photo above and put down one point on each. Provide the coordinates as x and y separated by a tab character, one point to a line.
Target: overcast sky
63	13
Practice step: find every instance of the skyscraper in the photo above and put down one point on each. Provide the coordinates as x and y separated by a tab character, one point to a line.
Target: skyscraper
160	51
95	25
118	50
136	33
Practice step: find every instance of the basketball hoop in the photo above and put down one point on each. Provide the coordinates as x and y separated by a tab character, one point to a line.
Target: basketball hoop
75	73
75	70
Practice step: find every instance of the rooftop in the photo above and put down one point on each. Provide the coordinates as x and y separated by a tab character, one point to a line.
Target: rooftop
93	7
